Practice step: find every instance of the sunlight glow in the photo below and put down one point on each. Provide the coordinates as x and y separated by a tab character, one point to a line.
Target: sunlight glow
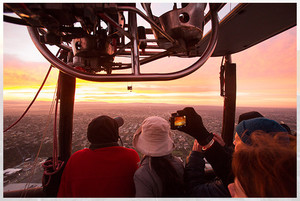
266	75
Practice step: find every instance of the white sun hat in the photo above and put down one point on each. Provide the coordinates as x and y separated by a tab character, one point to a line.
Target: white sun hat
153	137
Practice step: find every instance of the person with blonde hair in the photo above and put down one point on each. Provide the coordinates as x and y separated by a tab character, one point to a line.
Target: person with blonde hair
266	167
160	173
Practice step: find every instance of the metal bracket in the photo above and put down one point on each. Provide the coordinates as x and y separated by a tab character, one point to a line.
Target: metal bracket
135	75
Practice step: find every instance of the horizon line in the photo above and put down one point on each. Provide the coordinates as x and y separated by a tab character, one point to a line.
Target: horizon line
154	103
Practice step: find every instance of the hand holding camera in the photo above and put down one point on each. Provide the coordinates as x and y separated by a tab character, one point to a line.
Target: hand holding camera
193	125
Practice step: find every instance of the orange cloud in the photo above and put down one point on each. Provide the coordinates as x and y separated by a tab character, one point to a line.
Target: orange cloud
18	73
266	76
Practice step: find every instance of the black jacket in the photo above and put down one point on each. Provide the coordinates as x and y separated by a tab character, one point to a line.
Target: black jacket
196	181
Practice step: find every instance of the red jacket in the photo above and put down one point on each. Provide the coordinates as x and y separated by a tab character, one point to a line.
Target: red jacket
103	172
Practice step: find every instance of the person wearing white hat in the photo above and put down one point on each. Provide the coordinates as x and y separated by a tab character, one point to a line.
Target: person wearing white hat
160	173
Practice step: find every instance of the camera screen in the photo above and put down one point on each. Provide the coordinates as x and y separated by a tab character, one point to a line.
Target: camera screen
180	121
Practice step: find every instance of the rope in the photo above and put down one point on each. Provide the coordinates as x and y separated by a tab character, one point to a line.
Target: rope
47	165
222	79
42	85
24	193
55	134
52	166
31	101
26	187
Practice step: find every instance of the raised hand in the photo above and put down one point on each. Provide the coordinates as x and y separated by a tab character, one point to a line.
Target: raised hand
194	126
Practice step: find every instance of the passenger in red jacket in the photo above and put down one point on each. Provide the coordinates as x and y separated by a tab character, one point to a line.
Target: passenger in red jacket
105	169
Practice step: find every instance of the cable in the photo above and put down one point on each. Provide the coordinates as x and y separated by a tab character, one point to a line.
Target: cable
46	77
54	157
24	193
31	101
222	79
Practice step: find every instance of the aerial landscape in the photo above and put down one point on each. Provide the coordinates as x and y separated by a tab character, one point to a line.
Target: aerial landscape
137	60
21	143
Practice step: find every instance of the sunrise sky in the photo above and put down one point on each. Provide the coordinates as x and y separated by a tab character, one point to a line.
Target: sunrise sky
266	76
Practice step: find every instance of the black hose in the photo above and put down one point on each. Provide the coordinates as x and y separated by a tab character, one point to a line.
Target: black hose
15	20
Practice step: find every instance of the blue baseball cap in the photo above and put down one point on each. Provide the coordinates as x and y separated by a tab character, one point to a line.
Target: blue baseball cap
245	128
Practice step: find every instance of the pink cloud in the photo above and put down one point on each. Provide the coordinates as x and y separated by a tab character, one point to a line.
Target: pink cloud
18	73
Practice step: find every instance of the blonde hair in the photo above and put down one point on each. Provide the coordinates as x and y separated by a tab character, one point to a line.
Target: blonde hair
267	167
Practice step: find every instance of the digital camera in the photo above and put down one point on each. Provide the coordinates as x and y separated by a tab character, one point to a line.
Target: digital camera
177	121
